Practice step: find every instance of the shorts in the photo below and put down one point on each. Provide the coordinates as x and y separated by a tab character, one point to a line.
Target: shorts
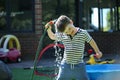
72	72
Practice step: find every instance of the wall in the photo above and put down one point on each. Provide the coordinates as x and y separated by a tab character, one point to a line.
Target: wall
109	43
29	42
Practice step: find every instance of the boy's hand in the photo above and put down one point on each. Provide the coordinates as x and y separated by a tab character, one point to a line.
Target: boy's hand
49	24
98	55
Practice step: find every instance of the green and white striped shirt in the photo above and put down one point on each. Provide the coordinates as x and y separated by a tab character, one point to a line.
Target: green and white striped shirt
74	47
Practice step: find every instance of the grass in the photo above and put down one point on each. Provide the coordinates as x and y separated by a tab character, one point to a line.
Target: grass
22	74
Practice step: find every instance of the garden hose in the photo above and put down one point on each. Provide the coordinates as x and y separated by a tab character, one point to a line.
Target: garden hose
39	49
37	52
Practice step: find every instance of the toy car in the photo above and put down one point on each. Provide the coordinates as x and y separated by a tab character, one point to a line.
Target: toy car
13	55
10	49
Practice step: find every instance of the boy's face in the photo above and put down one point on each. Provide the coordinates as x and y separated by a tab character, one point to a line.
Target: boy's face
69	29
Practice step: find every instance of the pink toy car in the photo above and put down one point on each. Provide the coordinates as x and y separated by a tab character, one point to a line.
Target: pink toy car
10	49
13	55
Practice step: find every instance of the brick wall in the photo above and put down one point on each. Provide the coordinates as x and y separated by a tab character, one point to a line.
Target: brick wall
109	43
38	17
29	43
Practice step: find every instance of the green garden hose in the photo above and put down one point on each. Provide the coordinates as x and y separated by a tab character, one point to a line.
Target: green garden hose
37	52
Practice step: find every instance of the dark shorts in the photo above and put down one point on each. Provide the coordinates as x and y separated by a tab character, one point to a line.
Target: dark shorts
75	72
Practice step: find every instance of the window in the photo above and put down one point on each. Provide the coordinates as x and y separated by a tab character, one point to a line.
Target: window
2	15
106	22
101	15
17	15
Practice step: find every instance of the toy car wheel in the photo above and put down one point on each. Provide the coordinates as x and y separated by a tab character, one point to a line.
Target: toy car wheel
19	59
5	60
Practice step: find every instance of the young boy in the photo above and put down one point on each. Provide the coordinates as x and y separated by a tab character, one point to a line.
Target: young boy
72	66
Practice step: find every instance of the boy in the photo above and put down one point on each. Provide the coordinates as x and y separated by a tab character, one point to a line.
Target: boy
72	66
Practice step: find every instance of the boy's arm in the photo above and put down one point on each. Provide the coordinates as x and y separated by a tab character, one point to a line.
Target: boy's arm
96	49
51	34
49	31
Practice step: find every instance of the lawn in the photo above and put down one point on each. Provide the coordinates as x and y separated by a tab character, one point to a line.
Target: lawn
22	74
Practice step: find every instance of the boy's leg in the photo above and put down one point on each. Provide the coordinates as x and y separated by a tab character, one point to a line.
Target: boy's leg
80	72
64	72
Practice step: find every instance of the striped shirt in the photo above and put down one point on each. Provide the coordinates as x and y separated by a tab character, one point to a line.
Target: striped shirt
74	47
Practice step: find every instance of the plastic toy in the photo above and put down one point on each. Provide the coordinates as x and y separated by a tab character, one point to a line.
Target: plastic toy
10	48
94	60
